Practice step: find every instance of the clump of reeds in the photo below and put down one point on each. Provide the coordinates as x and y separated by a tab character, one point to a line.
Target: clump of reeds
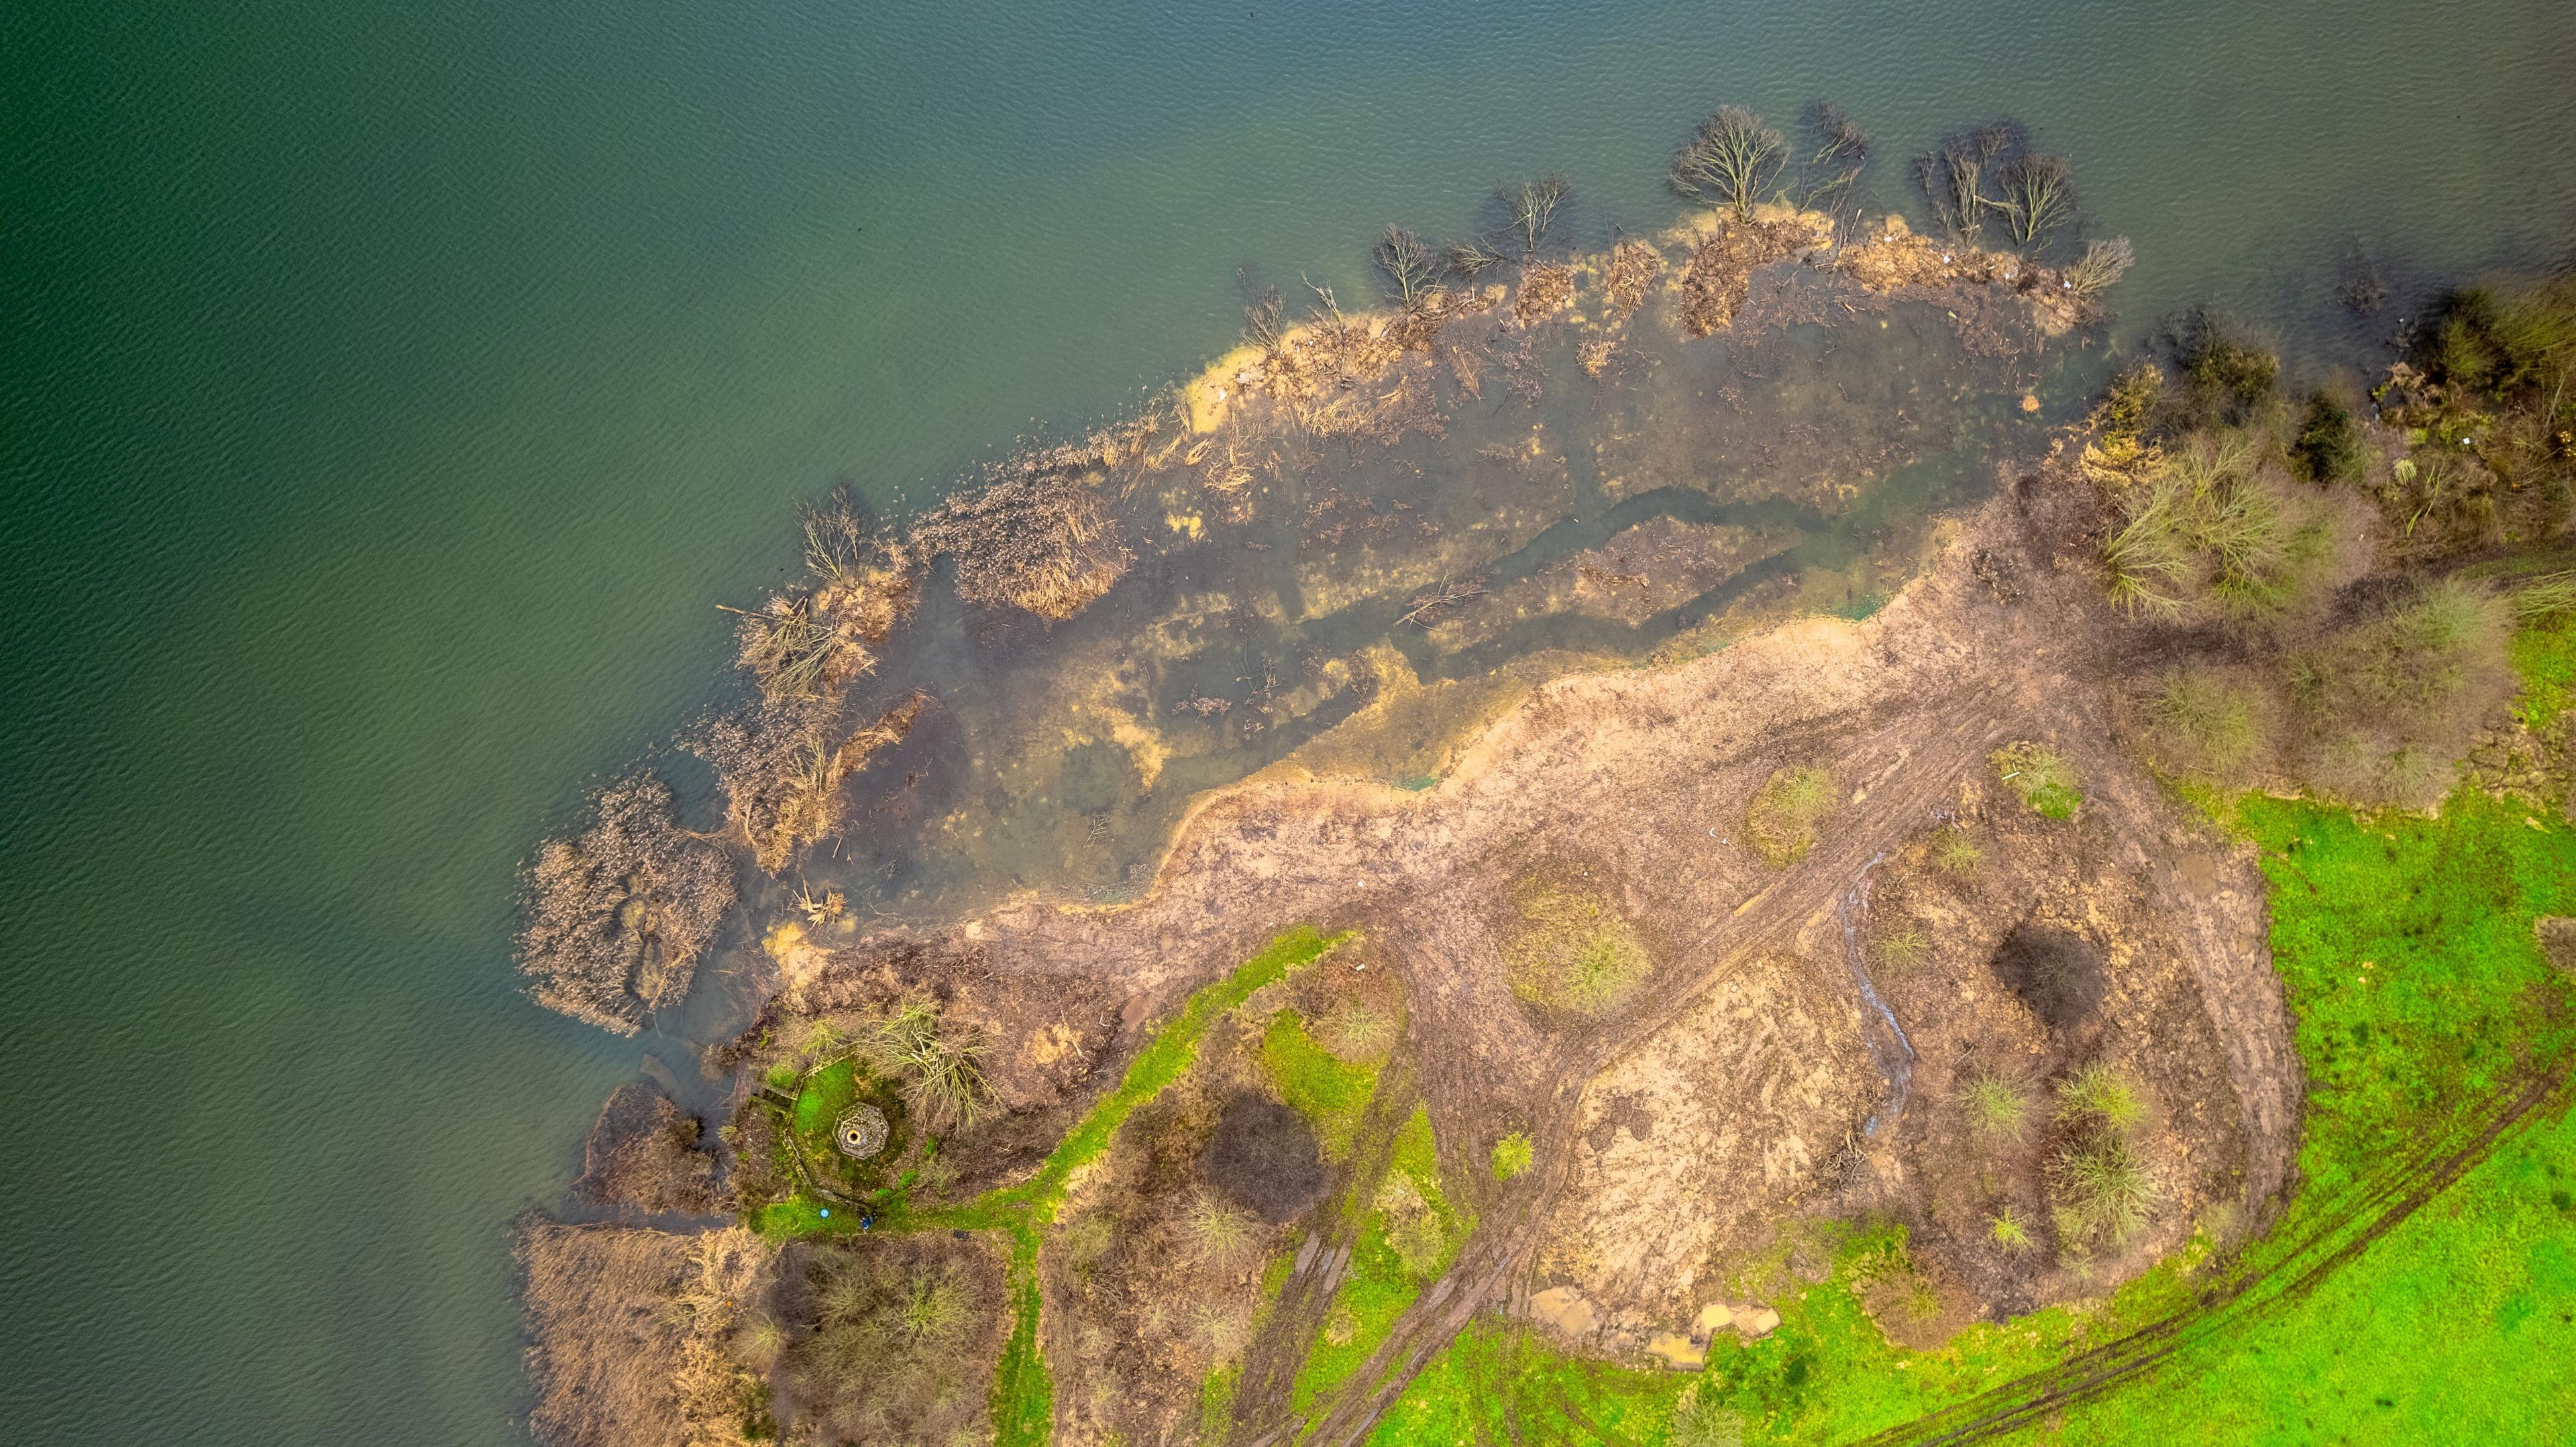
1036	536
1731	161
810	642
782	765
1547	287
614	918
2106	1188
2043	780
1996	1108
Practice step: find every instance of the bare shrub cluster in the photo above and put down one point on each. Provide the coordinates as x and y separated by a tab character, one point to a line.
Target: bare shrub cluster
614	918
1991	173
2339	674
939	1060
887	1346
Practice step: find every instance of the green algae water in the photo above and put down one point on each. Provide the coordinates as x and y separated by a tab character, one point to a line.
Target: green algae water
392	391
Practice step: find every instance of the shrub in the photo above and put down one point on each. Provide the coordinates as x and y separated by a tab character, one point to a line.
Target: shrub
2008	1230
1571	951
1511	1155
2095	1093
2105	1187
2329	447
2206	528
940	1060
2388	701
1731	161
1781	821
2044	781
2204	723
2229	378
1955	851
1996	1107
887	1356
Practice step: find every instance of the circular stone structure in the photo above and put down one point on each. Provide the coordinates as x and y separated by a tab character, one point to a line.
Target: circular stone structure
860	1132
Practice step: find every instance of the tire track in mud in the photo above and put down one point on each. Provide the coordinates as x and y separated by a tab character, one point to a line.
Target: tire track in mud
2367	1213
1905	708
1907	764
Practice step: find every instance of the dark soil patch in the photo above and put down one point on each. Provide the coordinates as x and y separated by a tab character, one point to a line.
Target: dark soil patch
1264	1158
2056	972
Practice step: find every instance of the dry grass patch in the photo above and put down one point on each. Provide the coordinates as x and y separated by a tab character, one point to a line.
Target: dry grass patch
1781	821
1568	948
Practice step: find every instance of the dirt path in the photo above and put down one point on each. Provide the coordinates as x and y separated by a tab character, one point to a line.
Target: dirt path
1644	775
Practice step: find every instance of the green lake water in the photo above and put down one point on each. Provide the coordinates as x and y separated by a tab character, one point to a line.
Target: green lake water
392	391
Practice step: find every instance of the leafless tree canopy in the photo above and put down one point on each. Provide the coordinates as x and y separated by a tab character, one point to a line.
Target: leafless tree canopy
1839	153
614	919
1412	269
2103	262
1533	204
1992	172
2038	197
1731	162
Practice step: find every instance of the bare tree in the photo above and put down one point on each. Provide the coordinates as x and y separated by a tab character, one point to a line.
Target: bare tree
1533	205
1262	318
1958	178
1829	179
1412	268
1473	258
1731	162
2099	266
2038	197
